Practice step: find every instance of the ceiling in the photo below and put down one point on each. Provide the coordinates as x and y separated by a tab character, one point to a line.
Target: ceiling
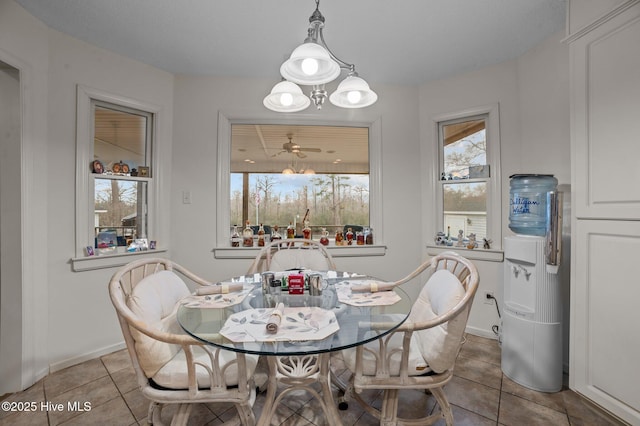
407	42
404	42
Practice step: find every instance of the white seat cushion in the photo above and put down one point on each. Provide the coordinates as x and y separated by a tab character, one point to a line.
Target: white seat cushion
439	345
173	374
155	301
417	365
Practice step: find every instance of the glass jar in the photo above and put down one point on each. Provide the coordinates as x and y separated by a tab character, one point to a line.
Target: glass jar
275	235
339	238
306	232
368	236
360	238
261	236
350	236
291	231
324	238
236	239
247	236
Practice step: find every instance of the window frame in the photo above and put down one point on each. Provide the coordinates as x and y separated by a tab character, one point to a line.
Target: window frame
85	196
494	188
227	119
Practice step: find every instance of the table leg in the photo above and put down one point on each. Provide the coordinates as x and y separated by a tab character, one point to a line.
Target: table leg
300	377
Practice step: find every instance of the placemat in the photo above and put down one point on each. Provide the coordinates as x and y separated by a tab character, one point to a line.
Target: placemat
216	300
298	324
379	298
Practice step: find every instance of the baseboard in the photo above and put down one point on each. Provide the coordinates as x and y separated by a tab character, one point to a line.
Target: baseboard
481	333
60	365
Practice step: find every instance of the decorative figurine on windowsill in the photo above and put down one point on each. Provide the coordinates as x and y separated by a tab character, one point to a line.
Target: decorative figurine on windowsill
441	239
486	243
472	243
460	242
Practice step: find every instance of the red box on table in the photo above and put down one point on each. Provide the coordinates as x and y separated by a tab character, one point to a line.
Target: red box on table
296	284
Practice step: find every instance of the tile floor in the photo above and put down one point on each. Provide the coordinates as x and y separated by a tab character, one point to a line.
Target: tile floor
479	393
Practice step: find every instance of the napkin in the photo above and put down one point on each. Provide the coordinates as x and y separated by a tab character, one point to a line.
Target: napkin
274	320
371	287
219	288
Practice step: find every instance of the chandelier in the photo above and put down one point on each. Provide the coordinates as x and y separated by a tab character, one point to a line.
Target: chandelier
313	64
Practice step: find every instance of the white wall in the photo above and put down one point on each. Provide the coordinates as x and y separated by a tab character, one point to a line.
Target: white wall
81	317
534	130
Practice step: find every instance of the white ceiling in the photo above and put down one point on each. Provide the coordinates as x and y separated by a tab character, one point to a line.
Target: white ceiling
403	42
391	42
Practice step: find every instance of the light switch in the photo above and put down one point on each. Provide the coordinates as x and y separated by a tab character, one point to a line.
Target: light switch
186	197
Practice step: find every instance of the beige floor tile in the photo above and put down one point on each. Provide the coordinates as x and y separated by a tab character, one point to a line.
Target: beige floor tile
479	371
462	417
125	379
137	403
95	393
583	413
34	394
113	413
552	400
117	361
516	411
72	377
486	350
25	418
474	397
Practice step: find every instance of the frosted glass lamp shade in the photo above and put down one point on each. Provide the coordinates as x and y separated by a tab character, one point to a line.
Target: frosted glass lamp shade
353	92
310	64
286	97
288	171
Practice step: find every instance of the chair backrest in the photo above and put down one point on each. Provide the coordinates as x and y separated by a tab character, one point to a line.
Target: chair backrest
444	304
281	255
145	293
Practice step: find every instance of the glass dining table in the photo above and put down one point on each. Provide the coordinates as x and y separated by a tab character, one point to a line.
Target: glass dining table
297	333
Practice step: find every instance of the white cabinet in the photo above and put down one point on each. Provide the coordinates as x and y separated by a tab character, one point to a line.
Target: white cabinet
605	315
605	128
605	247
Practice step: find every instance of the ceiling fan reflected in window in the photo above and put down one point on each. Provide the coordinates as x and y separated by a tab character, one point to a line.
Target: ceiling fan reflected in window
294	148
296	151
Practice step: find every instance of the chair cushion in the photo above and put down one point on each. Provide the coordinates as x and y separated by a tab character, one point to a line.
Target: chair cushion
417	365
298	258
439	345
173	375
155	301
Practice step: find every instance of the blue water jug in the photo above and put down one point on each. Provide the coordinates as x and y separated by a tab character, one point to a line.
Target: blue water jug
529	203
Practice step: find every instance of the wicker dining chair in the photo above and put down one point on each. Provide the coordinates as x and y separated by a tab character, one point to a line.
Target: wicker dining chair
172	367
421	353
280	255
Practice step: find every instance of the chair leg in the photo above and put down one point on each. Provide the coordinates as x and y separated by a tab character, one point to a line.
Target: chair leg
389	409
181	417
445	408
247	418
154	414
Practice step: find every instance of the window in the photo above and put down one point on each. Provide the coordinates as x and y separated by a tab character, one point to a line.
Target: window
236	201
281	174
468	192
115	177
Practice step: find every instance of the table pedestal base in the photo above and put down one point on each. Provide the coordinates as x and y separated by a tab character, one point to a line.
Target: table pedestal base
299	372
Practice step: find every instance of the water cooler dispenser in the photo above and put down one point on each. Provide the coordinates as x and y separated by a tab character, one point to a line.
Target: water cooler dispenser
532	318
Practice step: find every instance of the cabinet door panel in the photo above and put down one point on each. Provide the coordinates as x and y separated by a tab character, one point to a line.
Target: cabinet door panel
605	338
606	114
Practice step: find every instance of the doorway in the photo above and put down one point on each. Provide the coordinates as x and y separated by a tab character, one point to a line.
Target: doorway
10	230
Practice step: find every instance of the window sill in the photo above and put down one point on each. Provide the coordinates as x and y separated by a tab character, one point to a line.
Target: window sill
336	251
89	263
491	255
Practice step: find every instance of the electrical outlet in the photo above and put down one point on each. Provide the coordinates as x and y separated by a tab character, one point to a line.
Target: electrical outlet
488	298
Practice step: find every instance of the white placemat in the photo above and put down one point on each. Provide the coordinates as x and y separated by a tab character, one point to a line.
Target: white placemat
298	324
380	298
216	300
